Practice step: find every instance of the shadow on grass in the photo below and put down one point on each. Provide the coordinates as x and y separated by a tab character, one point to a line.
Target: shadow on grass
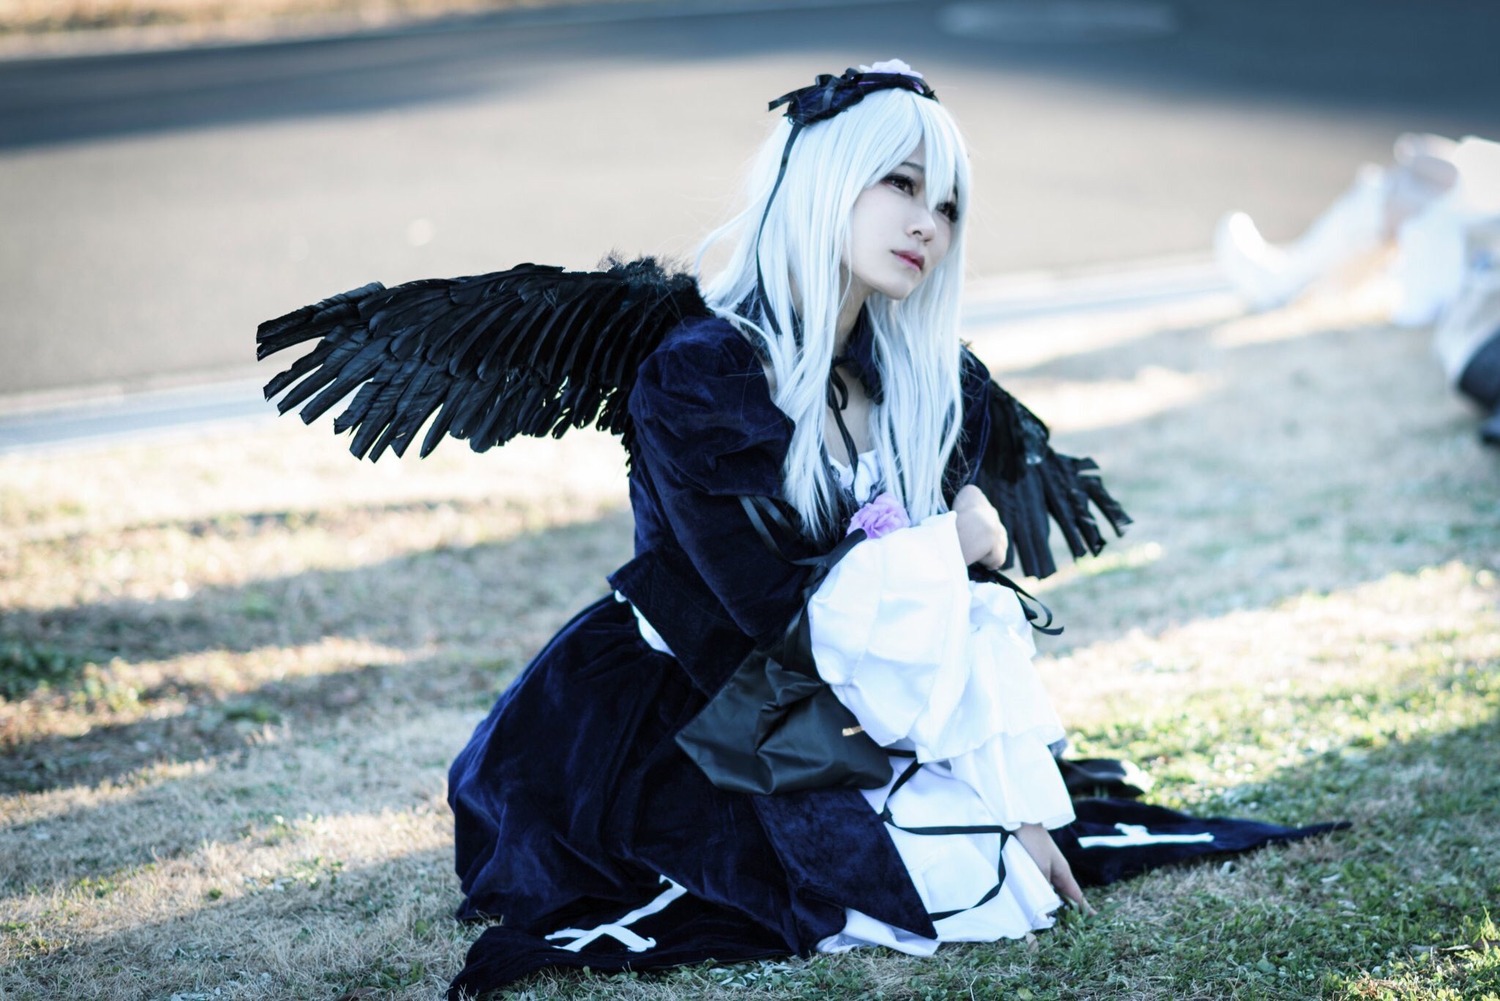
387	602
483	608
317	929
252	796
213	729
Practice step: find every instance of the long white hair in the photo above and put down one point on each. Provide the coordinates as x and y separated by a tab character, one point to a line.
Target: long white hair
805	237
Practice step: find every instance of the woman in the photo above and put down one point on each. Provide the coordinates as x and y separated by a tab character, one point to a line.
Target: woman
806	437
829	378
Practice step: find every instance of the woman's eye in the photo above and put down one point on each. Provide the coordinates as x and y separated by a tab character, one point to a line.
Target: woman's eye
901	183
949	211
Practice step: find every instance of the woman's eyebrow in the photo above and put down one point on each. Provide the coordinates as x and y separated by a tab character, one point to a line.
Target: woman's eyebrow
913	166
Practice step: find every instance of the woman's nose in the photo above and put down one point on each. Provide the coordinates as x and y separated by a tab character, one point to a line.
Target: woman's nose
923	224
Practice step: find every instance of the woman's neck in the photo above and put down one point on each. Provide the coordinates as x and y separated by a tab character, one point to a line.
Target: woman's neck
848	316
846	430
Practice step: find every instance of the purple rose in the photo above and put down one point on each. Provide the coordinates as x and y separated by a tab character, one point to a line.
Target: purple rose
881	516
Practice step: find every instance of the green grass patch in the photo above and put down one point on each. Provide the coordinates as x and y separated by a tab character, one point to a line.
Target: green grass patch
29	667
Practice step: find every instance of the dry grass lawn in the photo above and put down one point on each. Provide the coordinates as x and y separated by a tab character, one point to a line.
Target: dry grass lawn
234	666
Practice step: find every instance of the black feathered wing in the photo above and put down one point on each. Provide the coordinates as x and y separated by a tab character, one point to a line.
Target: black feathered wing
534	350
1029	483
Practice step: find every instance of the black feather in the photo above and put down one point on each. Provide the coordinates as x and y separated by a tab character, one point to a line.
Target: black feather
1030	483
310	321
535	350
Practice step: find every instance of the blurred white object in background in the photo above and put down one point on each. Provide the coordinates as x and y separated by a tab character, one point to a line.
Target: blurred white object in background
1439	203
1380	205
1472	313
1467	338
1268	276
1437	248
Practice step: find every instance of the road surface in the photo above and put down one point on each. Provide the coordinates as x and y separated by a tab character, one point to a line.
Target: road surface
155	206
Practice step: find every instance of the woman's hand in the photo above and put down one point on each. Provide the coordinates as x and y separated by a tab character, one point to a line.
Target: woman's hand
981	537
1037	841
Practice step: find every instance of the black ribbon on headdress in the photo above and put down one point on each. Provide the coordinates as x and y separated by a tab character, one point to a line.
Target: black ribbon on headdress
827	96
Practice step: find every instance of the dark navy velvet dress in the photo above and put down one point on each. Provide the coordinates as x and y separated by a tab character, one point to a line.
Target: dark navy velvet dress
572	801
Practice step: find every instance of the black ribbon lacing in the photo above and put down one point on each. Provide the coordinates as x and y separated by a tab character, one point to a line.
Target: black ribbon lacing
838	399
885	814
1026	598
760	279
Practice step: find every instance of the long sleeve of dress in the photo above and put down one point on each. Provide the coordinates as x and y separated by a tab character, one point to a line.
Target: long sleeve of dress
708	433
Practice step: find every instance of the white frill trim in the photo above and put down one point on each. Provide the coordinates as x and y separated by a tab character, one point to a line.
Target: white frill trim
929	662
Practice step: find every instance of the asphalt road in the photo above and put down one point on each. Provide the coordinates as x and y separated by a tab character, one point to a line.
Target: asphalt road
154	207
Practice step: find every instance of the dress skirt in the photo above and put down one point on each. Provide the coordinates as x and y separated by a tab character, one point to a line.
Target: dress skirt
573	807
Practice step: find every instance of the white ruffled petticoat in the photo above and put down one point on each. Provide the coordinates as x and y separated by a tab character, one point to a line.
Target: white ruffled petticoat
932	663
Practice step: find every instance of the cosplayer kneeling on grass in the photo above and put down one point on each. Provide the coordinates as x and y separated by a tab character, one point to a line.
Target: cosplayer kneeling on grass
830	376
806	719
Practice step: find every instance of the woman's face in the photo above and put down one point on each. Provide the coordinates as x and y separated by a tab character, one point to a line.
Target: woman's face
895	240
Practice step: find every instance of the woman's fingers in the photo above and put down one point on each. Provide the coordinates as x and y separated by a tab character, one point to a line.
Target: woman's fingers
981	535
968	497
1037	841
1067	887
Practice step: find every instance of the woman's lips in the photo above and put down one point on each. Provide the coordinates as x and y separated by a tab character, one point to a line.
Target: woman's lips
915	260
